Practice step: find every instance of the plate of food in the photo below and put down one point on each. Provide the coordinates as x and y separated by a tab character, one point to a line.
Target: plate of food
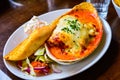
57	44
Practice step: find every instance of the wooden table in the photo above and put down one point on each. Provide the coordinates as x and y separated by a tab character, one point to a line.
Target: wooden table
11	17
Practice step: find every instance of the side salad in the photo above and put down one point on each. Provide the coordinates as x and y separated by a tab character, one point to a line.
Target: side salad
37	64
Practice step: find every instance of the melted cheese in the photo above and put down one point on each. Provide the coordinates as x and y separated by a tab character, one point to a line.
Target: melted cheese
73	33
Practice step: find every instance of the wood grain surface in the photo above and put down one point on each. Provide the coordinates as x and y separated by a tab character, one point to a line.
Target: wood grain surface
12	16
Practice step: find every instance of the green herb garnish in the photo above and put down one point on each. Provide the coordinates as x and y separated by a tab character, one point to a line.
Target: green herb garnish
72	25
67	30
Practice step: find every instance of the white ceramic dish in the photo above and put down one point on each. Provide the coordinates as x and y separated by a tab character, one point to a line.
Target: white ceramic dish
67	71
117	8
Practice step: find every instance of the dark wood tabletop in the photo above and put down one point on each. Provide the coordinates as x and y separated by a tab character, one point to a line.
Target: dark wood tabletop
13	16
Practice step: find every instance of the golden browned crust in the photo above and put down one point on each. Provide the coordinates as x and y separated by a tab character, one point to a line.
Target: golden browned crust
29	45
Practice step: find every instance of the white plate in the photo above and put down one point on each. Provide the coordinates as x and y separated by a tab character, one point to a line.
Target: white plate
67	71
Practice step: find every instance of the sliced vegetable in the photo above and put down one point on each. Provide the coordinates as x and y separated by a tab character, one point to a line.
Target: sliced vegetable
31	67
40	51
48	60
40	58
41	55
40	68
